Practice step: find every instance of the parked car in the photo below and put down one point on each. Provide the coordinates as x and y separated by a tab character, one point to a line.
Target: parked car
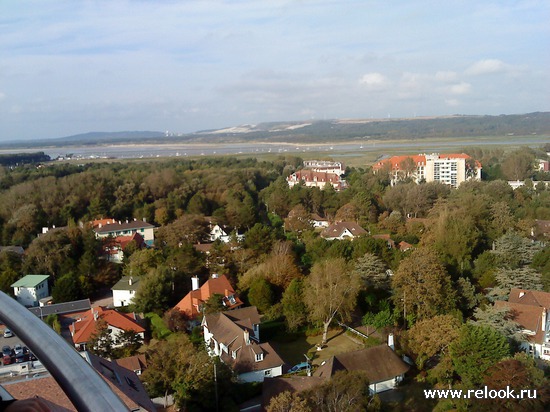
6	350
21	357
6	359
18	349
8	333
300	367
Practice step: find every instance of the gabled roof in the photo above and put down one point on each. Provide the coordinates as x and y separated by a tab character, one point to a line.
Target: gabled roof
229	328
133	363
308	175
529	317
274	386
380	363
191	302
82	330
112	225
530	297
30	281
339	228
127	283
122	381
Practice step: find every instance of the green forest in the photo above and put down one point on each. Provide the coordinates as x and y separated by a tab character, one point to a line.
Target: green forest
471	246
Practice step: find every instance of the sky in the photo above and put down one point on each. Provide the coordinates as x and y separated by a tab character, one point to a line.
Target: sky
70	67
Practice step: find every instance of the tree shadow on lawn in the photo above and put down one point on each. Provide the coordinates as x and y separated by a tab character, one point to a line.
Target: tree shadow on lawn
292	347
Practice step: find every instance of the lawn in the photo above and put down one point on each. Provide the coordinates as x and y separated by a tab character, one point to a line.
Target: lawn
158	327
293	347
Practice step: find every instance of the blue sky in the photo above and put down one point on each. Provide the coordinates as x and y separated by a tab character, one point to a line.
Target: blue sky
69	67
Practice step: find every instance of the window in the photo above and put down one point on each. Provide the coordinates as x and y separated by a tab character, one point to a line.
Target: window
267	372
259	357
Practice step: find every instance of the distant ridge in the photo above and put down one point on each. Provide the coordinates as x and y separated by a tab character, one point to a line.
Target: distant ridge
324	131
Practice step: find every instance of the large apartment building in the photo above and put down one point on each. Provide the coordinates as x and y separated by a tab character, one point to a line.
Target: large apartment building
450	169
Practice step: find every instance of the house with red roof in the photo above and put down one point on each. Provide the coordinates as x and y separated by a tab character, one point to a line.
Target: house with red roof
193	302
312	178
110	227
530	309
86	325
113	248
450	169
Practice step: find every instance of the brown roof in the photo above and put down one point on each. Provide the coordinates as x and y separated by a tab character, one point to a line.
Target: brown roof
111	225
530	297
379	362
313	176
529	317
203	247
123	382
191	302
338	228
133	363
274	386
230	329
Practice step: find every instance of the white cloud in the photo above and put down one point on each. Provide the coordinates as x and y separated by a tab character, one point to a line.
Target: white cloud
374	81
446	76
486	66
452	102
460	88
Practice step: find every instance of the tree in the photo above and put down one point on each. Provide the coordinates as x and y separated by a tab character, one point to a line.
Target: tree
260	294
517	373
422	287
430	338
127	343
67	289
500	319
176	366
214	303
176	320
101	342
372	271
294	308
288	402
154	291
298	220
519	165
330	290
476	350
522	278
346	391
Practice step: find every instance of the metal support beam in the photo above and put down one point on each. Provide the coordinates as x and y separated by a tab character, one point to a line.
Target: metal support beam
86	389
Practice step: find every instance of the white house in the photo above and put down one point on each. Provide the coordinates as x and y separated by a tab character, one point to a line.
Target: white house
124	291
343	230
531	310
113	228
234	336
86	326
30	289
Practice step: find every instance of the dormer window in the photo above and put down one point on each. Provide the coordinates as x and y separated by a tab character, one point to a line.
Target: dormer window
234	354
259	357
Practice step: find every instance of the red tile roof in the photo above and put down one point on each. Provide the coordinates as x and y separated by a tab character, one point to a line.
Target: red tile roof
82	330
529	317
191	303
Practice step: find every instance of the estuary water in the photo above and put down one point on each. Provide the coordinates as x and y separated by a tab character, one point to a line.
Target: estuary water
133	151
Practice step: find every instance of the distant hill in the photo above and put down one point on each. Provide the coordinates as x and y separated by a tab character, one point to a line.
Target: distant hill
336	130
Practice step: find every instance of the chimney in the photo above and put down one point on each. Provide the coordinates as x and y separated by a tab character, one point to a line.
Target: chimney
246	337
194	283
214	275
390	341
130	281
126	220
521	293
544	315
145	219
96	314
100	226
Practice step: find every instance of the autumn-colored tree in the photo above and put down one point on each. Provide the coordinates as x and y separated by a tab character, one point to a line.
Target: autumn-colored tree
330	290
176	320
517	373
422	287
288	402
298	220
430	338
